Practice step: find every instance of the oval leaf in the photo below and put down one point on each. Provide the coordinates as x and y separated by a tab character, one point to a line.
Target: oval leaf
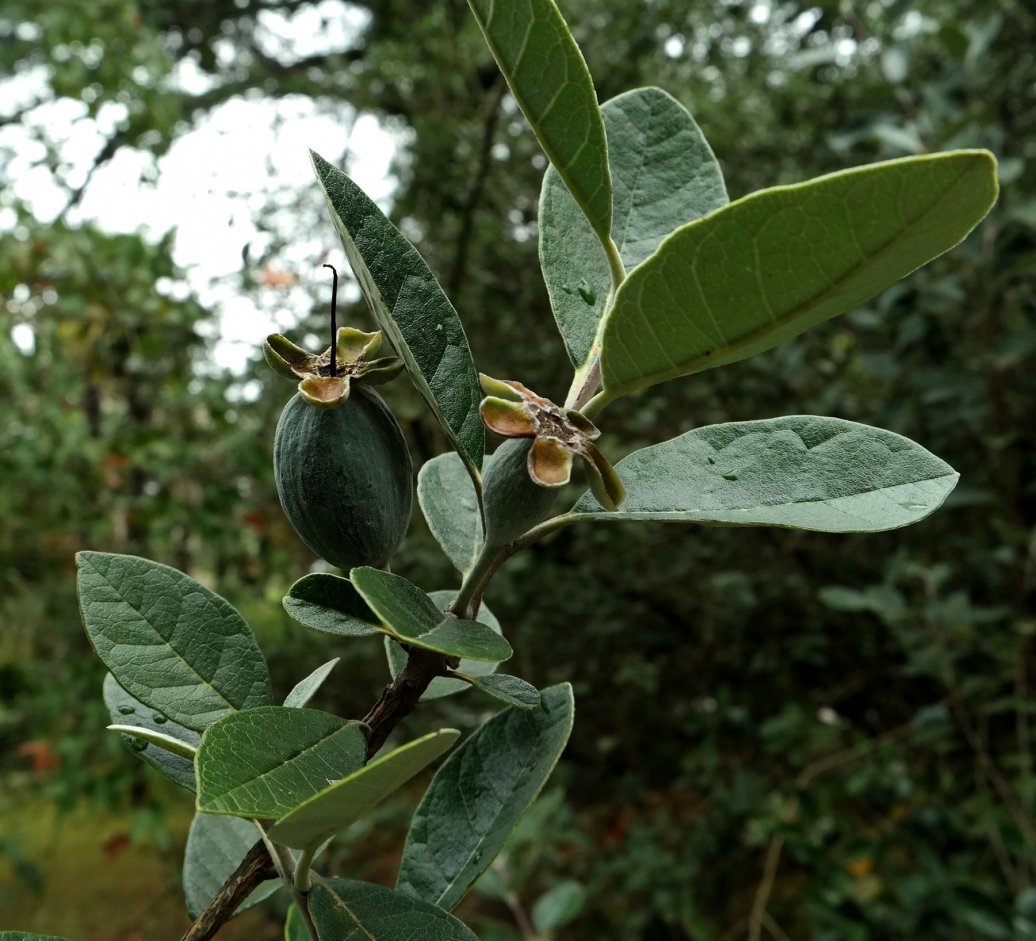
550	81
664	175
769	266
306	689
443	686
125	710
450	506
508	689
558	906
263	763
408	304
169	641
479	795
361	911
330	604
802	472
410	616
333	809
215	848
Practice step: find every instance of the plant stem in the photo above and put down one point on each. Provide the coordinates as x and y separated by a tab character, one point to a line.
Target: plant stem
488	561
302	870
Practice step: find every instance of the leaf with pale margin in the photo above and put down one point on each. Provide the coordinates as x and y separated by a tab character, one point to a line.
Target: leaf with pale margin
125	710
25	936
330	604
549	79
773	264
263	763
412	310
168	640
801	472
410	616
306	689
478	796
215	848
508	689
344	910
664	175
450	506
443	685
334	809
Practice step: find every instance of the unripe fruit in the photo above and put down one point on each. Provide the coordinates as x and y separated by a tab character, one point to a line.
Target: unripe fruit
344	478
514	504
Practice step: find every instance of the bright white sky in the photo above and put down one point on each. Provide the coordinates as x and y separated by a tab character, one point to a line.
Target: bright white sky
213	181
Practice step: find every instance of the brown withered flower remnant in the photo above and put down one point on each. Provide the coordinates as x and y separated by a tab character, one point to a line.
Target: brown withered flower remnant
559	435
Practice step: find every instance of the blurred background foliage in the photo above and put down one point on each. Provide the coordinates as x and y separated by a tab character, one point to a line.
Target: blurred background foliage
780	734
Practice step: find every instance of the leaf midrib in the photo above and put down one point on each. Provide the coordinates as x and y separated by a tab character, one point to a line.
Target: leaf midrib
713	357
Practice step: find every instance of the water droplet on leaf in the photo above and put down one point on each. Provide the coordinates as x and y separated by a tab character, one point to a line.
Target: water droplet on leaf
159	719
730	476
126	710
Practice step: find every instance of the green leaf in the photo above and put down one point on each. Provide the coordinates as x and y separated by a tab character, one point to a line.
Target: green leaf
479	795
263	763
412	310
801	472
329	604
336	807
443	685
450	506
550	81
295	926
215	848
773	264
306	689
125	710
664	175
158	739
169	641
409	616
508	689
344	910
558	906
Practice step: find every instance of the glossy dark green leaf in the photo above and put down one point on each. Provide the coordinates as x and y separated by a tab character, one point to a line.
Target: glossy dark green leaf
329	604
412	310
343	803
479	795
169	641
450	506
443	685
773	264
664	175
125	710
307	688
508	689
410	616
263	763
550	81
215	848
802	472
344	910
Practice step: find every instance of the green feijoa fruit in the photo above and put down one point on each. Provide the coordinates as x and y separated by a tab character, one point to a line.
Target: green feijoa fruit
344	478
514	502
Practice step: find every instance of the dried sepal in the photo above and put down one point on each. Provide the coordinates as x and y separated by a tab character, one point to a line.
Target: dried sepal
500	388
377	371
508	419
550	462
354	345
325	391
560	435
604	482
287	359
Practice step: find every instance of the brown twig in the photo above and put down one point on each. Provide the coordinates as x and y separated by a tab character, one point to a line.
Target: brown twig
396	702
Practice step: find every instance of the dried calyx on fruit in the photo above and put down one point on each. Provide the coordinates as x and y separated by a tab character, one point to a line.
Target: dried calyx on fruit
559	435
341	464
